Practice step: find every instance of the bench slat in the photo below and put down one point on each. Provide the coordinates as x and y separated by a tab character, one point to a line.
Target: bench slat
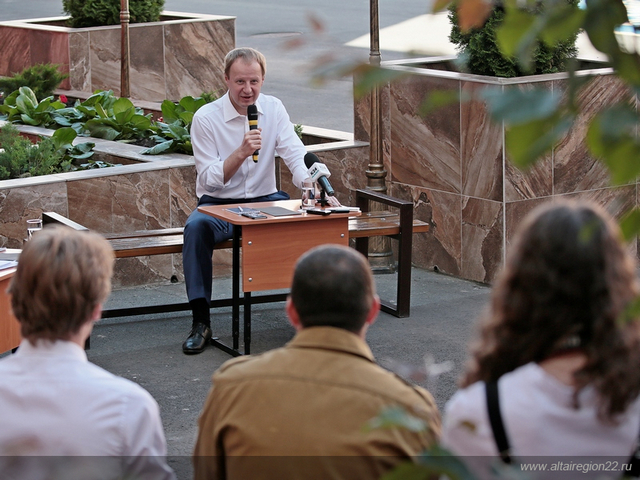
145	233
134	245
143	246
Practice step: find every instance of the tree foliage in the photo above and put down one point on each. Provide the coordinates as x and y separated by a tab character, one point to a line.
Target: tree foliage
95	13
480	50
42	79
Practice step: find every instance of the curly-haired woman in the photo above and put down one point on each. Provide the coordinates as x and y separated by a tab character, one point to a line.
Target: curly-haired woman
558	343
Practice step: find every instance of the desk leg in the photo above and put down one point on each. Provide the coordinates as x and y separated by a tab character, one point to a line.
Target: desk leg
235	315
247	323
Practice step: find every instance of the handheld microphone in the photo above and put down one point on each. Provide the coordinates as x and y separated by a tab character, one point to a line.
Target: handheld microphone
319	172
252	115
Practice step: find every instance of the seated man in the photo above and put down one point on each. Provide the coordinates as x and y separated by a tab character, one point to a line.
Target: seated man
313	398
55	404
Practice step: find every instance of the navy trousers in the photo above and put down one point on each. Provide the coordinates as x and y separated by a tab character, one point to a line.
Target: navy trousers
201	233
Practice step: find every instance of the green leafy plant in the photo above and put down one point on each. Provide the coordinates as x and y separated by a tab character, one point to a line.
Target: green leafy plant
57	154
94	13
481	52
436	462
42	79
116	120
209	96
298	129
22	106
82	112
172	134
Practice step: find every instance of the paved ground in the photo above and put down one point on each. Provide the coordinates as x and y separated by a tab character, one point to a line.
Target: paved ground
147	349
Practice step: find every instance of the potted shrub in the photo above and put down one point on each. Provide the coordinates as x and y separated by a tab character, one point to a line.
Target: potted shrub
95	13
181	54
480	54
452	162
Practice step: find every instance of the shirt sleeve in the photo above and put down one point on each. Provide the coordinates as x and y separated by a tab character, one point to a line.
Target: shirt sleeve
289	147
145	445
206	155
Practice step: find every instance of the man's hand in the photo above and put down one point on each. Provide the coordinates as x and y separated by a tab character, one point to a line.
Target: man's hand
251	142
333	201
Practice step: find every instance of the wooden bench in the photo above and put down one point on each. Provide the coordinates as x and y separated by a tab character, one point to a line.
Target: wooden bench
395	224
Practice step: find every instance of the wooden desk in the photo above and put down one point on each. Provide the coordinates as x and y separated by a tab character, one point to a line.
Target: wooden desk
9	326
270	248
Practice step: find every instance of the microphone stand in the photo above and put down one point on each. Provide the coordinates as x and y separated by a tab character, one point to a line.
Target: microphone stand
323	200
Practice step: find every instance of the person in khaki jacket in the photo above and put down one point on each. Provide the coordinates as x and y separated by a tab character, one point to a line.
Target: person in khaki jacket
301	411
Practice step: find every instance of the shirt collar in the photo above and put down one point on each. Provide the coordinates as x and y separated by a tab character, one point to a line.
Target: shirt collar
230	112
332	338
57	348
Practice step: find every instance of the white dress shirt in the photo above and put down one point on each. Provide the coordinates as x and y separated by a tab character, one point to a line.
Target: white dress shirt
55	403
540	422
217	131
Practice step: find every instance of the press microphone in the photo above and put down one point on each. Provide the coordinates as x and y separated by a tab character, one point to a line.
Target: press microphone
319	172
252	115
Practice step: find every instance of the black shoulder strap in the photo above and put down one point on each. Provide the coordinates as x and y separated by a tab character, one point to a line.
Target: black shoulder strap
499	434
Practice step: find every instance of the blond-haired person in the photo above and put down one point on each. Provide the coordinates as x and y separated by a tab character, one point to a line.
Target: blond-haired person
54	403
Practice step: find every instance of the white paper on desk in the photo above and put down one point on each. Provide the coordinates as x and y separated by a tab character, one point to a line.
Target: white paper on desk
4	264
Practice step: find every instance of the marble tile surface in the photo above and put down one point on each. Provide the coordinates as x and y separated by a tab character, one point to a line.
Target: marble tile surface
440	247
481	147
147	63
425	151
17	205
515	212
575	169
104	60
182	186
121	203
453	166
16	50
79	62
194	57
169	59
482	239
50	48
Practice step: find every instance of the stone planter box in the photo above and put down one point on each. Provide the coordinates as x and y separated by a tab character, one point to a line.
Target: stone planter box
453	165
181	55
149	192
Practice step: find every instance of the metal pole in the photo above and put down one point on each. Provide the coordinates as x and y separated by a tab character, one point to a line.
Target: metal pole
380	253
124	44
376	173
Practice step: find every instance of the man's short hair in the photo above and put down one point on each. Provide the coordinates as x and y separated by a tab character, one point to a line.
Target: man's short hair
248	55
333	286
62	276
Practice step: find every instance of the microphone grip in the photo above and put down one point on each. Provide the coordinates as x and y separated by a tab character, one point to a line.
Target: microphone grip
326	186
253	125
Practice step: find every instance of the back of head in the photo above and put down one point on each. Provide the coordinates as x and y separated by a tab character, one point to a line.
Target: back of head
247	55
62	276
566	281
333	286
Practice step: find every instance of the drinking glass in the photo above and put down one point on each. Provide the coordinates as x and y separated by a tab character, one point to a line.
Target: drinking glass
308	194
33	225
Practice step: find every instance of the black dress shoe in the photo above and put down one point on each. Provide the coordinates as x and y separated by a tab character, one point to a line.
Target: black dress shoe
197	340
